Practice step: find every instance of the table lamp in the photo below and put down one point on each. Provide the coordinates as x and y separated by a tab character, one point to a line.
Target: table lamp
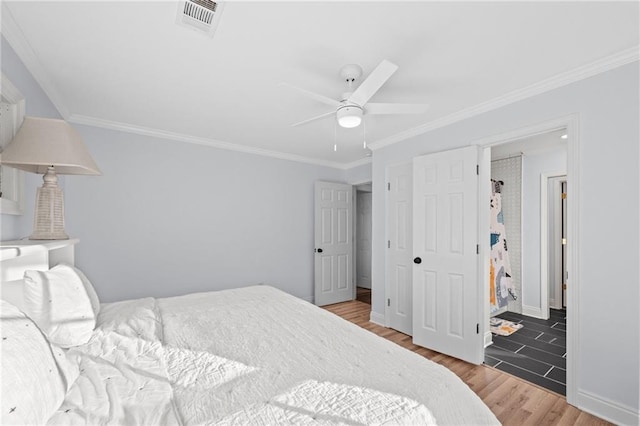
49	146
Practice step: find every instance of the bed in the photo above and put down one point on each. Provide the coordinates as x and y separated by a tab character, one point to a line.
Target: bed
253	355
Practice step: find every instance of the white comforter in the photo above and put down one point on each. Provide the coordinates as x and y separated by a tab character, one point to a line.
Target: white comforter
254	356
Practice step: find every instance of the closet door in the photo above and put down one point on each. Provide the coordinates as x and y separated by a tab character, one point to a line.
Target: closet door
446	279
400	248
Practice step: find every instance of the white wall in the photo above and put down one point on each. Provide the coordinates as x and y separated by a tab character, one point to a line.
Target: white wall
169	218
533	166
608	109
37	104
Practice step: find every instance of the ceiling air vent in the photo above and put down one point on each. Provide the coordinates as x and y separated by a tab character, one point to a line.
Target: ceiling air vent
200	15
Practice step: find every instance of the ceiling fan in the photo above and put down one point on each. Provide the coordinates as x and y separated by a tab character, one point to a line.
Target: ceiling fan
354	103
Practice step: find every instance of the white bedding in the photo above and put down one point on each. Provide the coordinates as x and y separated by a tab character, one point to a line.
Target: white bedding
254	356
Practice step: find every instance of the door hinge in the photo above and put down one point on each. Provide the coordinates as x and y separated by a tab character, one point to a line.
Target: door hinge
477	328
477	248
388	302
564	195
478	169
388	243
388	186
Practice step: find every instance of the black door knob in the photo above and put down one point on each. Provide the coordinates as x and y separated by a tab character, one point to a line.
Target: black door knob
319	250
417	261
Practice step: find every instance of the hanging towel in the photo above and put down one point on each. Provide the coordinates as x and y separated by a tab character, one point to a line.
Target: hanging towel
500	268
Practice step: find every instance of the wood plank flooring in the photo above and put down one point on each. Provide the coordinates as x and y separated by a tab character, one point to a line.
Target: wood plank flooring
513	400
363	295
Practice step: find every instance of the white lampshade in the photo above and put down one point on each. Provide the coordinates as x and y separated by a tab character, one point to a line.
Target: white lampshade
44	142
49	146
349	116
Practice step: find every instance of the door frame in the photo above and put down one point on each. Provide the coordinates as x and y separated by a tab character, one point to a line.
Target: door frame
571	124
545	242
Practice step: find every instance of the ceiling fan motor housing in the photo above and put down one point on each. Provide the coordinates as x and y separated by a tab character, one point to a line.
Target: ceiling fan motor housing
351	72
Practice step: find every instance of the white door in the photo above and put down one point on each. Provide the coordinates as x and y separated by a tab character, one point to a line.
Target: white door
363	242
446	314
400	248
333	243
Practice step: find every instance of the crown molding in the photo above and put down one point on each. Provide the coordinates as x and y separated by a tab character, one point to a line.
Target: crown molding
608	63
16	39
357	163
180	137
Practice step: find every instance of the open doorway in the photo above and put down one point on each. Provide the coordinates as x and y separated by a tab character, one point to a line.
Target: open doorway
528	336
363	246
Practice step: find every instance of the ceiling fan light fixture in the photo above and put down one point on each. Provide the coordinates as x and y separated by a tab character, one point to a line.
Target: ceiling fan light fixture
349	116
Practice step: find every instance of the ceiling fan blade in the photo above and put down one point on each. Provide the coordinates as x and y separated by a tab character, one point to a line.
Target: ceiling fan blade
319	117
372	84
316	96
376	108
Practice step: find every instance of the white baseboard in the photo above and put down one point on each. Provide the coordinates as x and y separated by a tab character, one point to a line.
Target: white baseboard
488	339
607	410
377	318
533	311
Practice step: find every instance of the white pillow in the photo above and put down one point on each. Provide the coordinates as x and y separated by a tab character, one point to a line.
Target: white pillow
57	301
31	383
91	292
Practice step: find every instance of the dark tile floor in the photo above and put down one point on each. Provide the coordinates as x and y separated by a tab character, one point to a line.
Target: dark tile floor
537	352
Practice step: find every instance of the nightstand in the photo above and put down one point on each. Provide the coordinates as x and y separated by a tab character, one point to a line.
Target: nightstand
18	255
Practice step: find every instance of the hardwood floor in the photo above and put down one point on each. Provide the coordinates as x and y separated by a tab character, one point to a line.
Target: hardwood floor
363	295
513	400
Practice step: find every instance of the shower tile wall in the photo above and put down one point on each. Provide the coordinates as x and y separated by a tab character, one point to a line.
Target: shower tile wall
509	170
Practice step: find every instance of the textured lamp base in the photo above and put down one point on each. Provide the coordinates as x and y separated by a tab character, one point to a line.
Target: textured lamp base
48	219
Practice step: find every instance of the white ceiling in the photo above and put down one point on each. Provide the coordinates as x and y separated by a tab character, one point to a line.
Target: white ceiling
128	65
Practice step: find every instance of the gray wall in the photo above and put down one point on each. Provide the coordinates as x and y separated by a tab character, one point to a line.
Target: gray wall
169	218
608	241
